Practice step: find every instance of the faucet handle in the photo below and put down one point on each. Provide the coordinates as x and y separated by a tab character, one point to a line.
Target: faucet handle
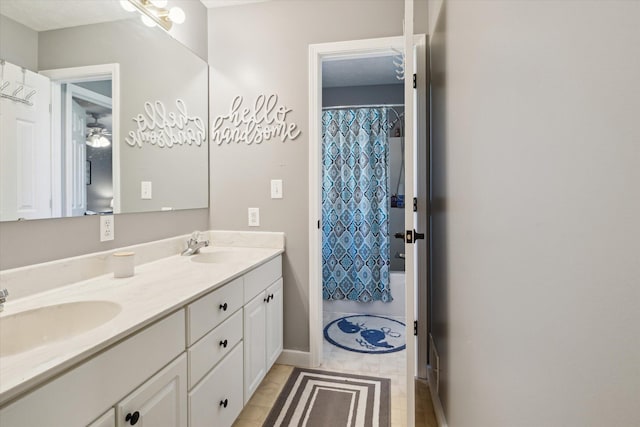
4	293
196	236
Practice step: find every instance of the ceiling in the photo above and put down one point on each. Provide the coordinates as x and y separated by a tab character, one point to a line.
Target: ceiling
378	70
223	3
44	15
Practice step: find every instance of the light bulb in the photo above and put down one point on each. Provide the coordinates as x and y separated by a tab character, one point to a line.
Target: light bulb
177	15
127	6
159	3
147	21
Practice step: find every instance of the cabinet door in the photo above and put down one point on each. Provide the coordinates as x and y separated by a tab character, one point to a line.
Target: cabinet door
274	323
106	420
254	344
160	402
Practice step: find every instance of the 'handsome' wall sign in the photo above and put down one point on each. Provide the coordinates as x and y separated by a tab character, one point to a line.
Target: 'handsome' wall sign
265	121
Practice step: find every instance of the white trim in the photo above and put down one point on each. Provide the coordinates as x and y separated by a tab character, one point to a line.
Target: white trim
318	53
437	404
410	249
301	359
95	73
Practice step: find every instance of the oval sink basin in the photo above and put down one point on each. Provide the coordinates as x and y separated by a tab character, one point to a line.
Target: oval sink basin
29	329
217	257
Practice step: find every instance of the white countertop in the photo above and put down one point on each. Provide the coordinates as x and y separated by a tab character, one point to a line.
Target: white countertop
157	289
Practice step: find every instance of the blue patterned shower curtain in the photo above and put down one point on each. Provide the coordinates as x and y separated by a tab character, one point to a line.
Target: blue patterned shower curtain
355	205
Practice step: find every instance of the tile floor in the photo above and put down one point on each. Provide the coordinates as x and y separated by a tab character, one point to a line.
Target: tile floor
390	365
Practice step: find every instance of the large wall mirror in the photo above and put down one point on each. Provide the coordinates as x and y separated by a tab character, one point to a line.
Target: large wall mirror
99	113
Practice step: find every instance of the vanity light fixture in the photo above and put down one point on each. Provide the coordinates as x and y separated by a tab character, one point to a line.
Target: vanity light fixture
154	12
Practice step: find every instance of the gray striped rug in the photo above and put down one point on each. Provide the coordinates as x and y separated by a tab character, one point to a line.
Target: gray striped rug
312	398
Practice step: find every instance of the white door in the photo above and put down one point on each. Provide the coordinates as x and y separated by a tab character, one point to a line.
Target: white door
274	323
160	402
76	157
25	146
254	344
416	179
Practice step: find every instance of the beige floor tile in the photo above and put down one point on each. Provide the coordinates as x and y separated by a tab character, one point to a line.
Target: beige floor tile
241	422
254	413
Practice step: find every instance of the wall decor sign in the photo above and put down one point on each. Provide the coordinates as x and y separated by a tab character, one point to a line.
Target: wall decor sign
165	130
265	121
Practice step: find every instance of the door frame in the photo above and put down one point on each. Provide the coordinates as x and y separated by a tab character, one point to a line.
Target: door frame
346	50
59	76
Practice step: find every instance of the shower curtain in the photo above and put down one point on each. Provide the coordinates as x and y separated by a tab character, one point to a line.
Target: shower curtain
355	205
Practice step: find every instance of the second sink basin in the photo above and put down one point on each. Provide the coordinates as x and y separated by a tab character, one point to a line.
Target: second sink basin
28	329
215	257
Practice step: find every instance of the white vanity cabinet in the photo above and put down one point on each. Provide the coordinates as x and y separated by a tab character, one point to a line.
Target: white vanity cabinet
79	396
215	356
159	402
107	419
196	367
262	323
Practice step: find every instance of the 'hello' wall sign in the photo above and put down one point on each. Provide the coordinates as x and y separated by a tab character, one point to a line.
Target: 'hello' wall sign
166	130
265	121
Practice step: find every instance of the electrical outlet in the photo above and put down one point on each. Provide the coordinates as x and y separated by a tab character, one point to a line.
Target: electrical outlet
254	217
145	190
107	228
276	189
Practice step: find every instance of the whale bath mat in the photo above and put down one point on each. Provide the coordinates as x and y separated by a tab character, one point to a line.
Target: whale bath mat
366	333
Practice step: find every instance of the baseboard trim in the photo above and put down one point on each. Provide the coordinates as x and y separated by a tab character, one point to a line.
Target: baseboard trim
301	359
437	405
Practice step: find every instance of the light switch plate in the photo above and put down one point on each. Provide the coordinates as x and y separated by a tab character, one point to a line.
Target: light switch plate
254	217
107	228
276	189
145	190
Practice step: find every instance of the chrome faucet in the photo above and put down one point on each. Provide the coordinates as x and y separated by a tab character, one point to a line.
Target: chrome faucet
3	298
194	244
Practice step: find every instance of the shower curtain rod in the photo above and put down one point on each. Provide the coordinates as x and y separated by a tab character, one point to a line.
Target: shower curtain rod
347	107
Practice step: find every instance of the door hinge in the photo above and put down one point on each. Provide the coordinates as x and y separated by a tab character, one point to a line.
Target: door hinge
412	235
415	81
415	204
415	328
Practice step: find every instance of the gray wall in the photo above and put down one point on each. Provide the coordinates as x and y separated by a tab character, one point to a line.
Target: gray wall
363	95
103	87
263	48
18	44
28	242
536	170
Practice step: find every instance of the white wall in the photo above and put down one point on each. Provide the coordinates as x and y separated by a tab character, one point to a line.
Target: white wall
263	48
537	239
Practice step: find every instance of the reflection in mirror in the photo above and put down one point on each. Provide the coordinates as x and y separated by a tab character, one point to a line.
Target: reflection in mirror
78	79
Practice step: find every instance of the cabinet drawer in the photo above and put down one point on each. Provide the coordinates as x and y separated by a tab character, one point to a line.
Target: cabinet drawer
207	352
257	280
223	384
212	309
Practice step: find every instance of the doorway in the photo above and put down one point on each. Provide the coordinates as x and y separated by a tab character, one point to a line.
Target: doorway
85	135
362	49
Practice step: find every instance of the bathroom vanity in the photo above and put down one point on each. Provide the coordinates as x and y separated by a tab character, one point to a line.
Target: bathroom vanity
184	342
